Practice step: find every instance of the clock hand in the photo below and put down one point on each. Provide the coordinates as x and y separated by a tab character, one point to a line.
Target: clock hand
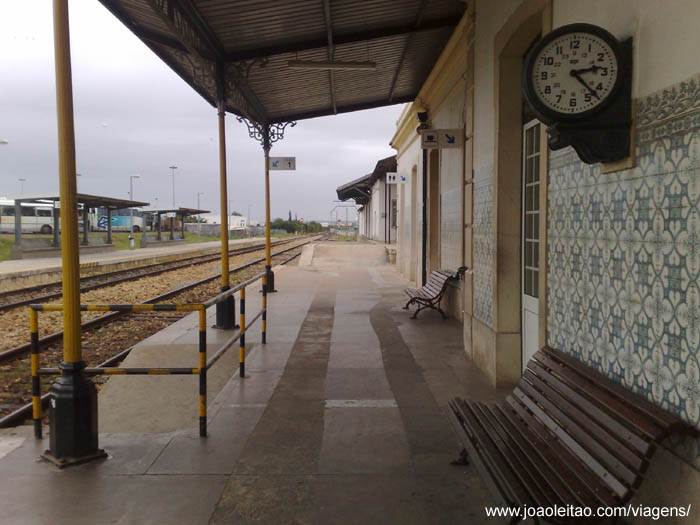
576	72
576	75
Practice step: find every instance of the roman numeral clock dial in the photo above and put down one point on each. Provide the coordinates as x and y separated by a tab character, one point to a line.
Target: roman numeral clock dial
572	72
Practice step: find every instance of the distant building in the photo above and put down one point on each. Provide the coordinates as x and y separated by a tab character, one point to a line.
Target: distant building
377	213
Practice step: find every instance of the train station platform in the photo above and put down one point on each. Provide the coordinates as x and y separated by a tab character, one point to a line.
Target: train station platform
340	418
28	272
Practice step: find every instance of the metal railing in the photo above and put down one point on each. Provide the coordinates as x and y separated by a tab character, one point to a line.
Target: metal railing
202	367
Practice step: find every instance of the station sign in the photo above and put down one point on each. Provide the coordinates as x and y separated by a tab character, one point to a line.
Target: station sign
283	163
442	138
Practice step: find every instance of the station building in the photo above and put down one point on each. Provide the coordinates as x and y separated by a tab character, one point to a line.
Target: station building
377	212
600	260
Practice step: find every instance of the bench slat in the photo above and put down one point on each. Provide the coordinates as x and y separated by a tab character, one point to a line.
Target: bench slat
632	463
609	467
586	396
497	463
540	491
476	458
539	467
518	415
660	416
601	475
578	469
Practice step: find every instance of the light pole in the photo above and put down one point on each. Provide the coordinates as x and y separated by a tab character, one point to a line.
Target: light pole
172	170
199	217
248	223
21	185
132	245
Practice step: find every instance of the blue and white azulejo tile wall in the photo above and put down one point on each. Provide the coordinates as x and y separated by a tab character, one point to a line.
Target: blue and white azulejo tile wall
624	259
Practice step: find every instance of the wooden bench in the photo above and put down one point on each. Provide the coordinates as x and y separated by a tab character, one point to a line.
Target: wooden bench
430	295
566	435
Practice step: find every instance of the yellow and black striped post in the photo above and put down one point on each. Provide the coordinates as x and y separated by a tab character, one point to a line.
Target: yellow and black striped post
264	309
241	350
36	385
202	372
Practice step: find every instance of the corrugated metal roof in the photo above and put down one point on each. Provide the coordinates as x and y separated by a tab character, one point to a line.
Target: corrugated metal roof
244	46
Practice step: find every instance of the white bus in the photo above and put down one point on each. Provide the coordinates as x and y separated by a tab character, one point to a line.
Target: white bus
36	218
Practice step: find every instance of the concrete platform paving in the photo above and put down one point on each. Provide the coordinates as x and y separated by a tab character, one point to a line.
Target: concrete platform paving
340	418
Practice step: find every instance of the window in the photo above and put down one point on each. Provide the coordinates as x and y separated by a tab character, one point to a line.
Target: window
43	212
8	211
28	211
531	187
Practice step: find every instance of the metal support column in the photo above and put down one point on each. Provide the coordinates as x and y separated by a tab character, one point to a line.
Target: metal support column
182	225
18	223
158	217
54	214
225	310
86	226
73	414
241	341
109	226
268	253
202	373
424	240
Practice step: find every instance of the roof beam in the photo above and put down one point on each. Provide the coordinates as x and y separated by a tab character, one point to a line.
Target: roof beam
156	38
344	109
189	27
419	18
331	51
319	43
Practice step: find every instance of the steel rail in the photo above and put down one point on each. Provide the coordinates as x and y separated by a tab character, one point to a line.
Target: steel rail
189	262
18	416
23	349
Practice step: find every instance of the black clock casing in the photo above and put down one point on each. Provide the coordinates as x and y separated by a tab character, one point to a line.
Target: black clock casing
601	134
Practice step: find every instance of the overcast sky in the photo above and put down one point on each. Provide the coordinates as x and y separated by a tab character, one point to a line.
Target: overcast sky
133	115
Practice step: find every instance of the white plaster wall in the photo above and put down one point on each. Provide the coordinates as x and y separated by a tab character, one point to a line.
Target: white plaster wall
489	18
451	115
405	162
666	36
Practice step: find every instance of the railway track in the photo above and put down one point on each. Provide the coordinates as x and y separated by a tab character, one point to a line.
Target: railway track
46	292
96	331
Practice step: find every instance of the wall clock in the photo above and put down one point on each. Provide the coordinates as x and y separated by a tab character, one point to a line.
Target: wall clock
577	81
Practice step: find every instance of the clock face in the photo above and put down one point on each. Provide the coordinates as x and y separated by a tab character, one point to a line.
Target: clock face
573	73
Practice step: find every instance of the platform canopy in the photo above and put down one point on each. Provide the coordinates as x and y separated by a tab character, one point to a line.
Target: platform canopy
89	201
243	49
183	212
360	189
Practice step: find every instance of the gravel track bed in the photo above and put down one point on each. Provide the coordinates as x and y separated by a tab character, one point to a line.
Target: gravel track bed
100	343
14	324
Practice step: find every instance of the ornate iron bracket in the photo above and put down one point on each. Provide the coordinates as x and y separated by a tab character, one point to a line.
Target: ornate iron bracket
266	134
244	66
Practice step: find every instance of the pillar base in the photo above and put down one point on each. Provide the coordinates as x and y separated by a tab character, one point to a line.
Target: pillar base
226	313
270	280
69	462
73	434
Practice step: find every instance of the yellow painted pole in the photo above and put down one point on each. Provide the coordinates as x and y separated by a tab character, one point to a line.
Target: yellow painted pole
68	186
225	281
202	372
